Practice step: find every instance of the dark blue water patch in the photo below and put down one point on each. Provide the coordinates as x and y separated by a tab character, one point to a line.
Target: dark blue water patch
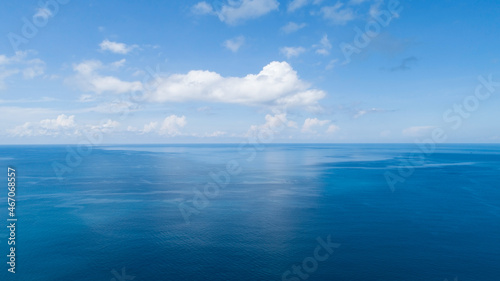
119	208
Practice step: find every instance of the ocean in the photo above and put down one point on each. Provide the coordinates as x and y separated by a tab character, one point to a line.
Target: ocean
266	212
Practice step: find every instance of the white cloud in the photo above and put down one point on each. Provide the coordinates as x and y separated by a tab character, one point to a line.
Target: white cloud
311	123
216	134
105	126
150	127
234	44
19	63
202	8
274	123
43	13
18	57
297	4
87	78
115	47
290	52
113	84
62	125
292	27
62	121
332	129
116	106
371	110
34	68
276	85
237	11
172	124
324	46
417	131
49	127
336	14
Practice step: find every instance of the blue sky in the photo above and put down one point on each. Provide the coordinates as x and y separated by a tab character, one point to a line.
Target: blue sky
227	71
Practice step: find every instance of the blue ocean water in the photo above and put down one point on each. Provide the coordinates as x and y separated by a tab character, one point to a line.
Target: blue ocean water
117	212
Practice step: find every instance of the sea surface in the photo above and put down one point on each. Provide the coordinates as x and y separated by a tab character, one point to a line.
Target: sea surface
231	212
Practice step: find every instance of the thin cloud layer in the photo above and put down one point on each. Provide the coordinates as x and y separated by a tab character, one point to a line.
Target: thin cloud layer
337	14
235	12
290	52
62	125
234	44
292	27
89	79
115	47
19	63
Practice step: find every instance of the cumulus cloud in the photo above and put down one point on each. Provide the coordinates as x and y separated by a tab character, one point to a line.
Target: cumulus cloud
150	127
234	44
62	125
311	123
336	14
291	52
292	27
235	12
417	131
117	48
87	78
172	124
106	126
276	85
274	123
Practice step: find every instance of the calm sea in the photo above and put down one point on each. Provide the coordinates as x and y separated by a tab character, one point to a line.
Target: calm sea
225	212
